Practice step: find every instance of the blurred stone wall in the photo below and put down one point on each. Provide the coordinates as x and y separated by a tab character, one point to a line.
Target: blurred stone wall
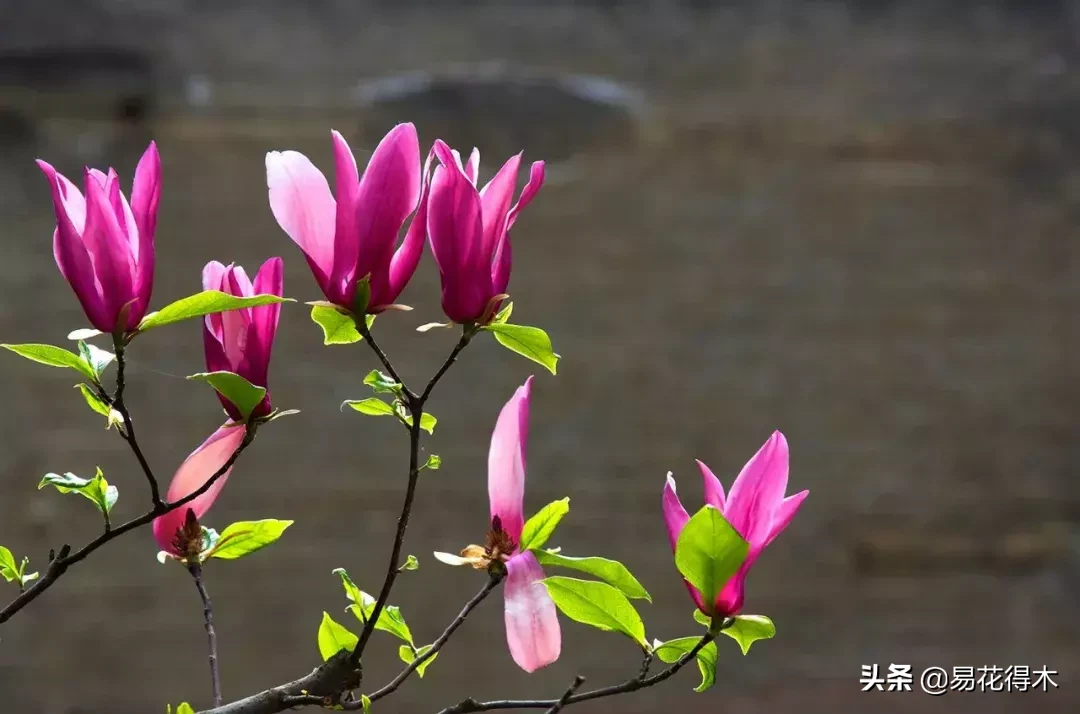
854	221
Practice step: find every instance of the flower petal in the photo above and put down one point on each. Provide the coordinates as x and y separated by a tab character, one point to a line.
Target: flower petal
532	624
213	338
472	166
495	199
145	195
506	462
346	191
758	491
675	516
197	468
301	202
714	490
501	263
407	256
107	245
783	515
388	194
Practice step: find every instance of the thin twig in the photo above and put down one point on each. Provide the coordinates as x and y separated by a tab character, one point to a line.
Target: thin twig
578	681
466	335
492	583
631	685
128	433
361	326
208	619
59	565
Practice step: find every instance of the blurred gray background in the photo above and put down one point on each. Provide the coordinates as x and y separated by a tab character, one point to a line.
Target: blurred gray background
853	221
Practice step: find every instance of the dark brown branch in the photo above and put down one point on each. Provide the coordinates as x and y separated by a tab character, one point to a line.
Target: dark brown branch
466	335
492	583
65	559
631	685
208	619
565	698
128	432
361	326
322	687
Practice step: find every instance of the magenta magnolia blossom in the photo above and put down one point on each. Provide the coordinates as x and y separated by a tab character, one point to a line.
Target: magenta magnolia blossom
355	235
470	231
240	341
756	509
532	626
103	246
199	466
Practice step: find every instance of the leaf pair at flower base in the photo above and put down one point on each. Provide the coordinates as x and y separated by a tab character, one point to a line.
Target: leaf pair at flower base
237	540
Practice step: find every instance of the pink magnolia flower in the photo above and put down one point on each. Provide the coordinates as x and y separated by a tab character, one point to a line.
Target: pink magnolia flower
354	236
469	231
240	341
103	246
169	529
755	508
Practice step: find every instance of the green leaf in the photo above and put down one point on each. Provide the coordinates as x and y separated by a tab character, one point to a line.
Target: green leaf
244	537
363	295
390	619
748	629
244	395
365	702
372	406
381	383
277	414
184	708
96	489
530	342
112	417
503	315
596	604
202	304
539	528
610	571
334	638
11	570
673	650
97	358
405	652
338	326
54	357
709	552
427	421
433	462
411	563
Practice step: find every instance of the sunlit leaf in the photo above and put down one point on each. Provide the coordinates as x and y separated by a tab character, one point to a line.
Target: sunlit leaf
709	552
539	528
96	489
748	629
610	571
530	342
244	395
334	637
673	650
202	304
54	357
372	406
596	604
244	537
407	656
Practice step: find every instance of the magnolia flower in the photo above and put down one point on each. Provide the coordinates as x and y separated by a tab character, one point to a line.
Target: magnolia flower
240	341
177	532
755	508
532	626
469	231
354	236
103	246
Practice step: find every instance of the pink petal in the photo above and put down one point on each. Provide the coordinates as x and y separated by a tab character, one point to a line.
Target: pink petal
268	281
407	257
472	166
145	195
501	262
675	516
714	490
214	279
301	202
455	228
536	182
532	625
506	462
197	468
347	229
495	198
758	491
389	192
783	515
729	601
108	247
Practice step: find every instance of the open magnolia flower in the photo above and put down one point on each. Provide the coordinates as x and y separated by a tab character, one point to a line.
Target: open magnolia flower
532	626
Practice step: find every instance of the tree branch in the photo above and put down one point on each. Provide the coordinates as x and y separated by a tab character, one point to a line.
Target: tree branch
208	618
362	328
565	698
128	433
631	685
65	559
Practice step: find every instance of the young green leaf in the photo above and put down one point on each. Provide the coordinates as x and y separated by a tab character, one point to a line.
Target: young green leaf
54	357
112	417
673	650
427	421
96	489
530	342
202	304
610	571
363	295
338	326
709	551
433	462
372	406
244	537
405	652
185	708
365	702
596	604
748	629
244	395
334	638
539	528
381	383
277	414
503	315
11	570
97	358
390	619
411	563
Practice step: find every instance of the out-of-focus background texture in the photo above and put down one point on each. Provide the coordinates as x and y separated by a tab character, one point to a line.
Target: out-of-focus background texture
853	221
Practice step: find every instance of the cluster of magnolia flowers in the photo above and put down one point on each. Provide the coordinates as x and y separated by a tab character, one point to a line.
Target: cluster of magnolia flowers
104	247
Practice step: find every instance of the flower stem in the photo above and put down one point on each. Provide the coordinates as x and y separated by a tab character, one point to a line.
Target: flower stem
211	636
